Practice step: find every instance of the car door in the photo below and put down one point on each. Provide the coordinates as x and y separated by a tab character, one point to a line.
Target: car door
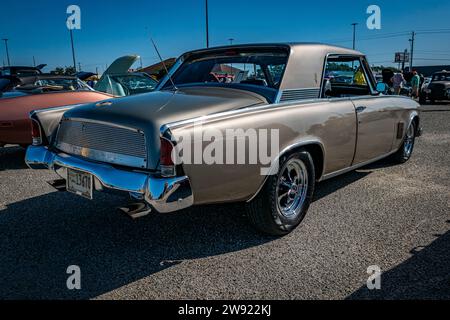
375	122
347	77
375	128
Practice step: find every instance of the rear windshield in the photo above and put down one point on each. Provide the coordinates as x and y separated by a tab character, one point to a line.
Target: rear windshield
263	69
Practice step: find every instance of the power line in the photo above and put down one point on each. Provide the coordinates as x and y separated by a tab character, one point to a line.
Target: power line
392	35
433	59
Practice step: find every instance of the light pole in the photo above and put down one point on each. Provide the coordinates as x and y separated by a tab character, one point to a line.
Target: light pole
354	34
207	23
7	51
231	40
73	50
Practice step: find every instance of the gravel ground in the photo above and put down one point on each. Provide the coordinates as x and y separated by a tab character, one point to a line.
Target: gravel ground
396	217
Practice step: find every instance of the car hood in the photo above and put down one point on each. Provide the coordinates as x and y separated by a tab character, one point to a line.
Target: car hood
148	112
122	64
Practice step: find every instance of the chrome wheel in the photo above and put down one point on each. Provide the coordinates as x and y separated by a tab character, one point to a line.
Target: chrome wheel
409	141
292	188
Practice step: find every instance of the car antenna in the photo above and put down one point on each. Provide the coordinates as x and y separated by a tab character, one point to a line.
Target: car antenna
164	64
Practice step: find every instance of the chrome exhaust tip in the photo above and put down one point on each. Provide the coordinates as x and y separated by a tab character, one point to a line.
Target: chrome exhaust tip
59	184
136	210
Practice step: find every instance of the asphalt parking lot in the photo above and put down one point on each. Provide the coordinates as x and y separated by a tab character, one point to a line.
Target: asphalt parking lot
396	217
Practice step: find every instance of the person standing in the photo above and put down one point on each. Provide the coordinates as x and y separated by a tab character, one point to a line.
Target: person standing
415	84
397	82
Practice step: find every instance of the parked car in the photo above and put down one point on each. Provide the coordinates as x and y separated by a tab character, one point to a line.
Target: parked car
129	146
438	88
36	92
118	81
21	71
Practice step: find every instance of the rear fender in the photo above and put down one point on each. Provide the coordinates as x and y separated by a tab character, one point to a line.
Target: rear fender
49	120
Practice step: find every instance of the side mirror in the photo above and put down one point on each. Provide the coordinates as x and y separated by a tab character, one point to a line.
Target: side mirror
381	87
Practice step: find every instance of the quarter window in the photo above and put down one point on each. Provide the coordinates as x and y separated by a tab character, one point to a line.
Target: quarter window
344	77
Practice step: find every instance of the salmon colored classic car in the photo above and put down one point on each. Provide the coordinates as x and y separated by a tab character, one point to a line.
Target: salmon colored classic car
321	129
39	92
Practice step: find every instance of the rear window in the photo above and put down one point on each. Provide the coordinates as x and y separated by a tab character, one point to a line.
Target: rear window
264	69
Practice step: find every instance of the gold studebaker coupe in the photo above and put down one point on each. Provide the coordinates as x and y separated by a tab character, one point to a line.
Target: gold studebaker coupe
324	111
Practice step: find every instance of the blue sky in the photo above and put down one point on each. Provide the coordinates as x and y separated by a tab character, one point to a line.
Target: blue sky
110	29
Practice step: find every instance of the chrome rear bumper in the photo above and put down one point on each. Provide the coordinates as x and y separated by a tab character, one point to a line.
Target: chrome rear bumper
163	194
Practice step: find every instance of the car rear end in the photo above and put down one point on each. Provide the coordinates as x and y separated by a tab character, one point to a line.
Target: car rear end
92	156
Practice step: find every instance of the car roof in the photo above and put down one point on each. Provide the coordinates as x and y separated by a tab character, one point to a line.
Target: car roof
305	65
319	47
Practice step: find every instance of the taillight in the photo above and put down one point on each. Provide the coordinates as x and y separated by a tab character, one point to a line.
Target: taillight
36	133
166	163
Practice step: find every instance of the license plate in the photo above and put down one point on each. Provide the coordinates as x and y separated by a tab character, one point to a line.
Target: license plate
80	183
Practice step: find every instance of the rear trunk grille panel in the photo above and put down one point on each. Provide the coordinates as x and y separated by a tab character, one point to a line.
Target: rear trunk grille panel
102	142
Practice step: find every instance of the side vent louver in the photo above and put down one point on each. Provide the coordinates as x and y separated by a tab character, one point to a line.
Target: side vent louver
299	94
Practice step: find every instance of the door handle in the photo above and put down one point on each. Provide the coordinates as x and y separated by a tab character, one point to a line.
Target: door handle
360	109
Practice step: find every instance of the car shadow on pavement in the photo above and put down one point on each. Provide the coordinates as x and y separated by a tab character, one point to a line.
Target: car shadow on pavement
42	236
12	158
426	275
329	186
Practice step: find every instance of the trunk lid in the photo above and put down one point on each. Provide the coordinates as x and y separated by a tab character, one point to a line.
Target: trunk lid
148	112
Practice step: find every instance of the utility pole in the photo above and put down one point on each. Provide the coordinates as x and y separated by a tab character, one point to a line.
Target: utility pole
354	34
73	50
34	62
140	59
207	24
231	41
413	36
7	51
79	67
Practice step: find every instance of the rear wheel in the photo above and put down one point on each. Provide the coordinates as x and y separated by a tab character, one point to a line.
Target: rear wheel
404	153
285	198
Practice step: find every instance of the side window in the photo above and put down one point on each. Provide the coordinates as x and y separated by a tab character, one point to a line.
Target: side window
344	77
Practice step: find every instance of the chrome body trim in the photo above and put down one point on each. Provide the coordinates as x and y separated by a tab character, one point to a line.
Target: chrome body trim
103	156
129	147
111	124
163	194
354	167
299	94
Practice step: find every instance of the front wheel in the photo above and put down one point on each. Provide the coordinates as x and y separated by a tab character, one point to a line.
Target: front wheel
285	198
404	153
